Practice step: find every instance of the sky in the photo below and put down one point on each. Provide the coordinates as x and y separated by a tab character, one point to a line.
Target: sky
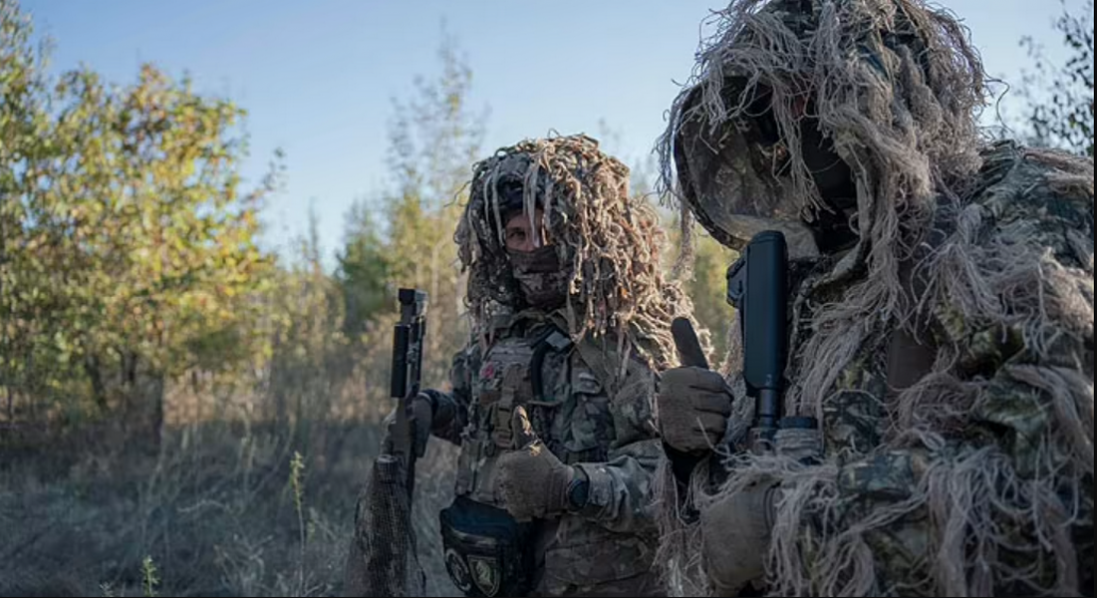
317	77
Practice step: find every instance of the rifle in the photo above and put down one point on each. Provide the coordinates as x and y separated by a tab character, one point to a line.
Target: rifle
407	369
758	290
383	559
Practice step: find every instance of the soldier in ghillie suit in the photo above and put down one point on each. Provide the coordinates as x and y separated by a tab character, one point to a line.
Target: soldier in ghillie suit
941	320
553	400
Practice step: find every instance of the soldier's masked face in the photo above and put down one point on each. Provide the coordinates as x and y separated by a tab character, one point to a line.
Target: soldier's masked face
736	180
535	262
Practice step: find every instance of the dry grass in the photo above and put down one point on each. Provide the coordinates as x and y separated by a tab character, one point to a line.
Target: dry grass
214	508
210	496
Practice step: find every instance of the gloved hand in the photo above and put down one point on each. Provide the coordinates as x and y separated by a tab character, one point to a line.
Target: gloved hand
694	405
532	481
420	421
735	534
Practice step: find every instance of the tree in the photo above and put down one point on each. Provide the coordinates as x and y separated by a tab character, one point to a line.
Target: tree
23	122
310	360
363	272
1065	118
129	252
147	205
434	138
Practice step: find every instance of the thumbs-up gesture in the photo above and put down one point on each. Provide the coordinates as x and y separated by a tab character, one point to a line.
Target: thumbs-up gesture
694	402
533	483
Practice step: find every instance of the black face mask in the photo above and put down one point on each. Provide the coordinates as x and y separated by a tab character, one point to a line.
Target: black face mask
834	179
831	174
544	283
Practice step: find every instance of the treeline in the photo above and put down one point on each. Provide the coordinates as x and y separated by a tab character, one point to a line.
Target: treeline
130	264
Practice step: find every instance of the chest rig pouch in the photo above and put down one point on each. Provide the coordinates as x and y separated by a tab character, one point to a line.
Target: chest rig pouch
487	552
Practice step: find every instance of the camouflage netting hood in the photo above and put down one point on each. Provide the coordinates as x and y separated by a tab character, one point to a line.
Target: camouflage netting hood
607	242
889	87
892	87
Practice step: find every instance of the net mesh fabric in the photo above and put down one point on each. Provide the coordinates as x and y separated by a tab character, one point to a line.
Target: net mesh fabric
384	560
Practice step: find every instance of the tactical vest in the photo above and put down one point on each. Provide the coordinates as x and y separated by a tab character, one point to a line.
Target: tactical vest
487	553
535	366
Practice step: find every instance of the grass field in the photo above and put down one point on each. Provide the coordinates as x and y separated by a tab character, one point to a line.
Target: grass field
213	511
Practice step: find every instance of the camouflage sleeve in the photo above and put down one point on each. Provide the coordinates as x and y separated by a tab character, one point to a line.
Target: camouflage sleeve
620	489
1008	478
451	408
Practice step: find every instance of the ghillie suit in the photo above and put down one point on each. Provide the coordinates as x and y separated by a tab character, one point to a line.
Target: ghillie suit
942	311
607	243
552	401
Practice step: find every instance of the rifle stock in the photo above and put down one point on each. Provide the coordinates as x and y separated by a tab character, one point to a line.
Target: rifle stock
758	290
383	558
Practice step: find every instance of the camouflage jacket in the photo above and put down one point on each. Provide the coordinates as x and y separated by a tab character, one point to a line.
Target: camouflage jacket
1011	430
590	417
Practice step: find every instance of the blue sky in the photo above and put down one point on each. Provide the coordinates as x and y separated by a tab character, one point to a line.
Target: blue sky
317	76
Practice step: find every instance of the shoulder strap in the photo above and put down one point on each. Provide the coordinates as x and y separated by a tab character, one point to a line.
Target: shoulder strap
551	340
601	361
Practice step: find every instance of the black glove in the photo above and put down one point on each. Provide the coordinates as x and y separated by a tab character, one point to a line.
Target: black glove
421	421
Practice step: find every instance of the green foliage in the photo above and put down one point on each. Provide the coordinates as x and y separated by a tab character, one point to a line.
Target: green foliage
363	272
310	359
297	469
23	139
150	577
146	218
129	248
1065	118
296	475
708	289
706	283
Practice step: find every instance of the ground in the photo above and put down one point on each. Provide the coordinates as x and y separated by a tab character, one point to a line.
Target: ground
213	508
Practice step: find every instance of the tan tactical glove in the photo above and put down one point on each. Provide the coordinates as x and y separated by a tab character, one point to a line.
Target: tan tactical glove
735	532
532	481
694	405
420	420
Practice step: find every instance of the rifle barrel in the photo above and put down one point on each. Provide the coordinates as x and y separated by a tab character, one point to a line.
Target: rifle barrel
401	341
